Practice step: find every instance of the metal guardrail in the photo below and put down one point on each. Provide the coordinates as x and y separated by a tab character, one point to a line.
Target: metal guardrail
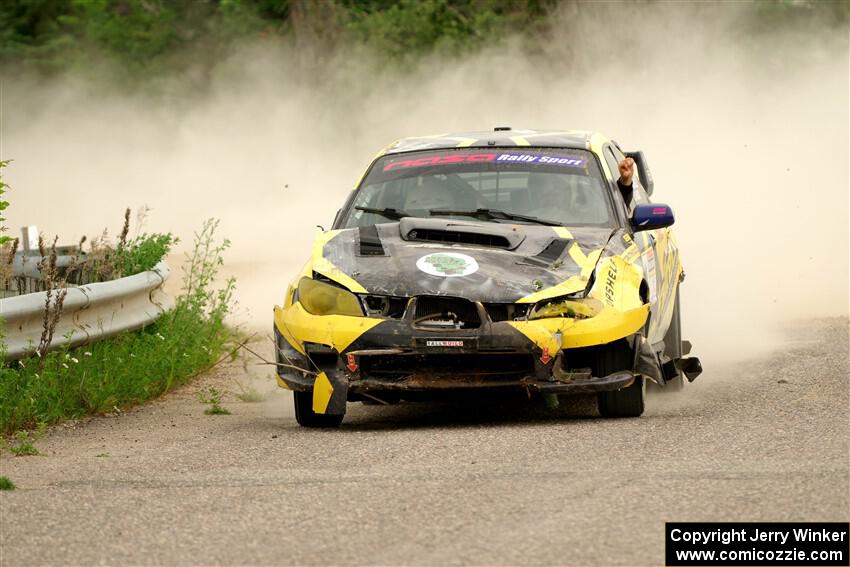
27	264
90	312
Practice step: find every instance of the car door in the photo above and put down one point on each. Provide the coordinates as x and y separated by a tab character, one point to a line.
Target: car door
660	260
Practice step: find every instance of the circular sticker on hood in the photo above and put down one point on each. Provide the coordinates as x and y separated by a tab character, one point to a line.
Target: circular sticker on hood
447	264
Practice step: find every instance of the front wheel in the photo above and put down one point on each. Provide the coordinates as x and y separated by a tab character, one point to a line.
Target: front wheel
306	417
625	402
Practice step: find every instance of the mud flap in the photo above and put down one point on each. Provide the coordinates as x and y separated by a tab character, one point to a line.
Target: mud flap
691	367
646	361
330	393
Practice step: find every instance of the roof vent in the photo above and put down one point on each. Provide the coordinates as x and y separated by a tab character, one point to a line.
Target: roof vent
501	128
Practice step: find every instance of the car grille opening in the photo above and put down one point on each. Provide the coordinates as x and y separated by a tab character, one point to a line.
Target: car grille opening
321	355
458	237
445	313
507	311
385	305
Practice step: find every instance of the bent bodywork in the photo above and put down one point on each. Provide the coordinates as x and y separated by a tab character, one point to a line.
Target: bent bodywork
413	305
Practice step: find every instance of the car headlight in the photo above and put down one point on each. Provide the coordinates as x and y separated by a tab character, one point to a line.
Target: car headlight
320	298
566	306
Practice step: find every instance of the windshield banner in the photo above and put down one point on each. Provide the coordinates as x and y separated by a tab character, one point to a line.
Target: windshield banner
497	157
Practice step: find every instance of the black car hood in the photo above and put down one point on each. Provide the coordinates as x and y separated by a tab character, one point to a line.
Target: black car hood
432	257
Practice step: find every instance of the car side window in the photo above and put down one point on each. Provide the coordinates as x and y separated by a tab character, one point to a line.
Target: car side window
612	161
614	166
639	193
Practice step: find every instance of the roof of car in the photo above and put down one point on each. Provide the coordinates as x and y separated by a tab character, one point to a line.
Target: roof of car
498	137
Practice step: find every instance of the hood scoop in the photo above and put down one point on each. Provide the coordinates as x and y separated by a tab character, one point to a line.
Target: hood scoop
491	235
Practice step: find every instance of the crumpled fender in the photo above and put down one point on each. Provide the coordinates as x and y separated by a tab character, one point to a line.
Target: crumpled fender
606	327
338	331
617	284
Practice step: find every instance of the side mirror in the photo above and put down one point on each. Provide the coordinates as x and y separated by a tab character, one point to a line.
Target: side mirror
643	171
650	216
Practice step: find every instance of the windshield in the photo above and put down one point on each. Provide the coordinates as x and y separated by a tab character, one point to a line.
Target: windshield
558	186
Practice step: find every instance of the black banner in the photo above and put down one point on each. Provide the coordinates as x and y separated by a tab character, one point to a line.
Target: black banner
744	544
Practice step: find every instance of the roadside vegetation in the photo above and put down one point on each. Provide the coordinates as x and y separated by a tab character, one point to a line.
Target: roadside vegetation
146	38
3	204
212	397
130	368
23	444
155	35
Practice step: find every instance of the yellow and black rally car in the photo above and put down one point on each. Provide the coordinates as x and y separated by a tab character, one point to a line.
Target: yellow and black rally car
488	262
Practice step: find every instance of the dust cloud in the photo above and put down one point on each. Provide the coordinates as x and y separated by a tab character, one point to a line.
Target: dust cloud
746	133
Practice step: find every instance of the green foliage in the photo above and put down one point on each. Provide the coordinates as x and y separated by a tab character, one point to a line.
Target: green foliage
142	253
146	36
131	367
407	29
25	442
3	203
212	397
62	33
6	484
104	262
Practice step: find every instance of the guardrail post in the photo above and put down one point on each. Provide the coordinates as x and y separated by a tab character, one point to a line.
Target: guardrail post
29	238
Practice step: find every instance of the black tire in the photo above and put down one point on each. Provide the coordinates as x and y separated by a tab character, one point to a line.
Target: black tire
306	417
625	402
673	348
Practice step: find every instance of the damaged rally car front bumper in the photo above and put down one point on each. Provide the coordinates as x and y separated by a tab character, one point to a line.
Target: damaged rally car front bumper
342	358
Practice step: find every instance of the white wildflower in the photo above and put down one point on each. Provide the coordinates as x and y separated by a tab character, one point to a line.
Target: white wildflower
87	353
75	360
64	365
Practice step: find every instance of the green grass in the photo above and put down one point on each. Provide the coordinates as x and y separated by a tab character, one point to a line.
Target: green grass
25	440
212	397
6	484
130	368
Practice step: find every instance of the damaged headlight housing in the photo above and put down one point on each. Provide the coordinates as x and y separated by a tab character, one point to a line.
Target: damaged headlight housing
566	306
320	298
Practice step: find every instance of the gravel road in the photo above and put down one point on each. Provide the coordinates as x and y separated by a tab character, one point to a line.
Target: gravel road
432	484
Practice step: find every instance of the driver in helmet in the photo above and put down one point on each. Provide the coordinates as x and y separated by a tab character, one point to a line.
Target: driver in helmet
552	197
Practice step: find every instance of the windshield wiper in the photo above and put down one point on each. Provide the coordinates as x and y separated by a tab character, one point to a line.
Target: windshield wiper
494	214
388	212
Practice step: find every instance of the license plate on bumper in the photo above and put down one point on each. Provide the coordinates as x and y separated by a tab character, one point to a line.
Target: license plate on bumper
464	344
